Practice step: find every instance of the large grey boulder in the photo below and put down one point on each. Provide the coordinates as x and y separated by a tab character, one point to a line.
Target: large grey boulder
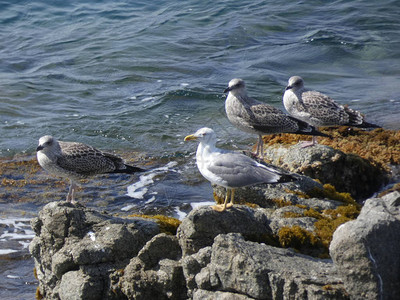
347	172
366	251
247	270
202	225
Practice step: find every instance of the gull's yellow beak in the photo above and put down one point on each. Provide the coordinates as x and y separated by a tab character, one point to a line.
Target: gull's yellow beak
190	137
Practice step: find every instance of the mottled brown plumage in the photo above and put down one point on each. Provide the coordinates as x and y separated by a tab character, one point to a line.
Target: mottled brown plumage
319	109
77	161
260	118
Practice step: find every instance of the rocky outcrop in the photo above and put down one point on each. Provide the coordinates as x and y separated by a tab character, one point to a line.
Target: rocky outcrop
237	254
347	172
76	249
247	270
366	251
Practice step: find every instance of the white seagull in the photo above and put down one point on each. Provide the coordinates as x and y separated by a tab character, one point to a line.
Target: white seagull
259	118
77	161
318	109
230	169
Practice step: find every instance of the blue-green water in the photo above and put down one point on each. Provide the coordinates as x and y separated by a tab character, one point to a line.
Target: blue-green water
140	76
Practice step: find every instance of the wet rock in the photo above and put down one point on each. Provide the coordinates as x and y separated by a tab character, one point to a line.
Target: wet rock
366	251
347	172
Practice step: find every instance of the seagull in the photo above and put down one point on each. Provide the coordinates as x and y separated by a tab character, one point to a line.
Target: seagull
318	109
77	161
230	169
259	118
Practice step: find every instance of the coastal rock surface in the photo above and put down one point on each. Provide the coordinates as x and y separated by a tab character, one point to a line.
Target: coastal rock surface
346	172
237	254
259	271
372	241
76	249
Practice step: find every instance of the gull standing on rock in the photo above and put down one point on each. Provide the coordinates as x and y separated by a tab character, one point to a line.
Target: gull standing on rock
230	169
318	109
77	161
259	118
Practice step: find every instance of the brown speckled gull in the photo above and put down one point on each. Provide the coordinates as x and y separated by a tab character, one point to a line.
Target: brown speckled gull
260	118
319	109
77	161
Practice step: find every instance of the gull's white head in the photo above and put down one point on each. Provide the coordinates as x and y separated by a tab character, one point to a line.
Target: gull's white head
295	83
204	135
236	86
48	144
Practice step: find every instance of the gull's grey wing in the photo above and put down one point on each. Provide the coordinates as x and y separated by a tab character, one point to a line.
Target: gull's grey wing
239	170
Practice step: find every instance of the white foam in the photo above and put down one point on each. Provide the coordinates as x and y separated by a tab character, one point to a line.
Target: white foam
128	207
139	189
147	99
15	229
7	251
152	199
24	244
182	214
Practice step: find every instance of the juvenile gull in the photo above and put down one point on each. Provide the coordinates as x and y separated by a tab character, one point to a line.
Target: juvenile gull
77	161
318	109
259	118
230	169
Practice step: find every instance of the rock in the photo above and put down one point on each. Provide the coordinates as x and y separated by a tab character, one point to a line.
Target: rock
267	195
366	251
160	247
82	254
202	225
164	282
192	265
252	270
279	219
347	172
208	295
70	238
76	285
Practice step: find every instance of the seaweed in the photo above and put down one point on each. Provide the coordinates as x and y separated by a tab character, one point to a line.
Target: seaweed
379	146
167	225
